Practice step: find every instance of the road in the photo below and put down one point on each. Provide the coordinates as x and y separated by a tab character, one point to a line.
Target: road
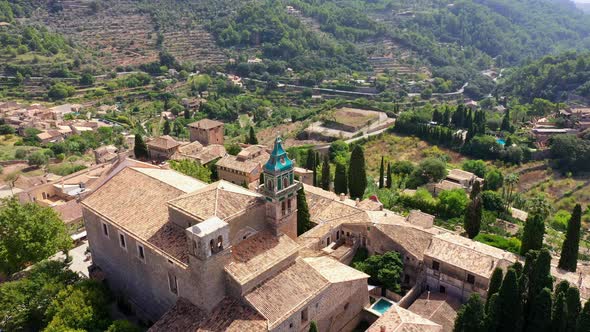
324	147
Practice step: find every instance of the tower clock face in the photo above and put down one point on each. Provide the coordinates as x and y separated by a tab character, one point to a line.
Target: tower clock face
282	160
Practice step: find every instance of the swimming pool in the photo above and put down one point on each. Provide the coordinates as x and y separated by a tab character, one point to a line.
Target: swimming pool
381	306
501	141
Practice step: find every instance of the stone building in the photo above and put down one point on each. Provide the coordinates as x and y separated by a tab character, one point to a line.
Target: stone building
196	256
206	131
162	148
245	168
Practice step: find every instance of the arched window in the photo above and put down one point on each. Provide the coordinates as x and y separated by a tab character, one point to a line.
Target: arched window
220	242
285	182
212	246
269	184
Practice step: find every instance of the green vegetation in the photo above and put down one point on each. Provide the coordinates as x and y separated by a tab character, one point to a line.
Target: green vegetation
192	169
30	233
357	176
509	244
471	316
303	218
571	245
386	269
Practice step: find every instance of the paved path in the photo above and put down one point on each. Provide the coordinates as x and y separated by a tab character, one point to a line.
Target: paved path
80	263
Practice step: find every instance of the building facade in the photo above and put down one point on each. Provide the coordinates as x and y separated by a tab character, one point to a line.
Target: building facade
206	132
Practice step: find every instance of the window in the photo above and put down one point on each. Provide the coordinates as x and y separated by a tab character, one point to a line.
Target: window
172	283
122	242
470	279
105	229
284	208
140	252
288	205
304	315
442	289
435	265
290	325
285	182
328	241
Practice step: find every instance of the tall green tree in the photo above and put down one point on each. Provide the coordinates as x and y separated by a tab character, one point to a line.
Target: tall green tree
470	318
534	231
506	125
510	303
191	168
494	313
382	173
313	327
310	161
472	219
167	128
340	179
559	314
571	244
29	233
495	284
540	320
252	136
572	301
389	183
357	173
584	318
326	173
303	218
538	276
140	149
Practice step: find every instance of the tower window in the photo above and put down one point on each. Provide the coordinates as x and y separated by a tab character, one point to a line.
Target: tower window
172	283
284	207
435	265
105	229
288	205
140	252
122	242
285	182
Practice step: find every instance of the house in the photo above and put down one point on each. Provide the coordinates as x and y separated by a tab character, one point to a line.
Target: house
457	179
305	175
400	319
206	132
199	153
194	256
245	168
162	148
50	136
105	154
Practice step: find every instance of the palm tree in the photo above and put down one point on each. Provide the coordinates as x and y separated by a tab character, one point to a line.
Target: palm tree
510	183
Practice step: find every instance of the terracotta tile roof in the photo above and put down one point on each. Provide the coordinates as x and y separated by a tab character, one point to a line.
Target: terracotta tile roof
333	270
196	151
459	174
257	254
399	319
418	217
413	239
437	307
229	315
287	292
69	212
241	164
173	178
136	202
205	124
222	199
163	142
466	254
448	185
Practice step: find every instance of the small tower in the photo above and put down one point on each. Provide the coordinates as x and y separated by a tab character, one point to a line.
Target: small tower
280	190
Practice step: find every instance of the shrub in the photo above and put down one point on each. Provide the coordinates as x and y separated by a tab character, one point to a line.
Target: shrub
510	244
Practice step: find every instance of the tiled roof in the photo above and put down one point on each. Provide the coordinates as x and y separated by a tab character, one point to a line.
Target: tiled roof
163	142
448	185
399	319
413	239
136	202
437	307
222	199
243	165
333	270
69	212
466	254
287	292
257	254
229	315
206	124
173	178
197	152
459	174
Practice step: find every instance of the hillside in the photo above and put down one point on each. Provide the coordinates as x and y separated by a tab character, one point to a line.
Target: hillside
555	78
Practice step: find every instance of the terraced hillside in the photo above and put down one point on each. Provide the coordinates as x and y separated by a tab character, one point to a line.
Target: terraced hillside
121	33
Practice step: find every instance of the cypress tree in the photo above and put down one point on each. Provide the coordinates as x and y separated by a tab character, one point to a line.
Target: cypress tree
572	301
475	190
561	288
534	230
470	318
389	183
584	318
326	173
252	137
495	283
187	113
167	127
505	126
140	149
357	174
382	173
540	320
539	277
313	327
340	182
571	244
510	303
310	162
559	314
472	219
493	316
303	217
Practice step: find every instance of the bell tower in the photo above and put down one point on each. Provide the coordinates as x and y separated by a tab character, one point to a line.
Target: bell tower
280	190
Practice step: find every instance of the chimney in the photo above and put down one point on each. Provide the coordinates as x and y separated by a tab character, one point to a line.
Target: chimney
357	202
342	197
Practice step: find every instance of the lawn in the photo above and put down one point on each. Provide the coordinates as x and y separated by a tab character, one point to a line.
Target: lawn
7	148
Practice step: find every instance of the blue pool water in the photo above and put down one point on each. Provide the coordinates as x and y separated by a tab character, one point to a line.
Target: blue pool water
381	306
501	141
